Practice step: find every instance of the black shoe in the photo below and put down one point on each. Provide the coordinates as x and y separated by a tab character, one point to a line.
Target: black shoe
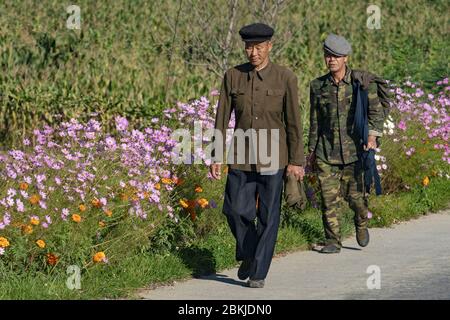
331	248
362	236
255	283
244	269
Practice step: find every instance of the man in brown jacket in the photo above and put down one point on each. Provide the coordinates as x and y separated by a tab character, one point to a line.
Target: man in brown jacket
264	99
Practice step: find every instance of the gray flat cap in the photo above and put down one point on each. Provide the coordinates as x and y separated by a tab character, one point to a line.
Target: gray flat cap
337	45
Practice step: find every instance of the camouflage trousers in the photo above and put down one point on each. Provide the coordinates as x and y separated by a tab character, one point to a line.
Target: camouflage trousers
339	183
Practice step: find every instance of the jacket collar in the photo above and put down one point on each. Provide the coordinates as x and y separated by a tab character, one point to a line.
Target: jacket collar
347	78
261	73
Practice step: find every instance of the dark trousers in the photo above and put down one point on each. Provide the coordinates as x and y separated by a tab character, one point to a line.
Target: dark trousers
255	240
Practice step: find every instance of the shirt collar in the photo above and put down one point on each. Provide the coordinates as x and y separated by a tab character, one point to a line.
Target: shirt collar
261	73
346	79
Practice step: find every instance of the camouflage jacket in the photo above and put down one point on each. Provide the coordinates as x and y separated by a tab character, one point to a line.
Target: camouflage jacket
332	115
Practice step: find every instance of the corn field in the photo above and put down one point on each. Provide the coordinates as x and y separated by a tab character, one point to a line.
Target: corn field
133	58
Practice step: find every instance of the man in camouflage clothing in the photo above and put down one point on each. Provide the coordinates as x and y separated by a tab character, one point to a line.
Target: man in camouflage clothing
333	145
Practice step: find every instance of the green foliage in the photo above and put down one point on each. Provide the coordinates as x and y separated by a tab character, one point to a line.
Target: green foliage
129	59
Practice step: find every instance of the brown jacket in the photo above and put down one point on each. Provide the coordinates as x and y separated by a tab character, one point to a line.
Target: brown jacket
265	99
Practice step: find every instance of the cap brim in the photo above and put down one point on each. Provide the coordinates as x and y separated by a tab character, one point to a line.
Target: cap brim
256	39
328	50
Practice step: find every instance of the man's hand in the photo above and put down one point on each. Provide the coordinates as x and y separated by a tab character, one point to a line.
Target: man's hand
297	171
371	143
215	170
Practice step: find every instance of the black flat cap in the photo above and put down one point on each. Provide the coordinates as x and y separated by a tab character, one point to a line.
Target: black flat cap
337	45
256	32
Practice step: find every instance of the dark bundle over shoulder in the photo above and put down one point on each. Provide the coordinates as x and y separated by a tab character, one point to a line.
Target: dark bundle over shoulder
366	78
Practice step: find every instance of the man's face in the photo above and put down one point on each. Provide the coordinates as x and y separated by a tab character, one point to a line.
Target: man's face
335	63
258	52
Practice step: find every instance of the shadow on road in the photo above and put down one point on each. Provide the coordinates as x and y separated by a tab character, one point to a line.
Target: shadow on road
224	278
351	248
317	248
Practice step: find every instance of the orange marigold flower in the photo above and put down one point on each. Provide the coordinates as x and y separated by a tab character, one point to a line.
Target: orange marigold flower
192	203
96	203
166	180
52	259
101	224
183	203
4	242
82	207
76	218
203	202
26	229
198	189
179	181
23	186
34	199
158	186
99	257
34	221
108	213
426	181
124	197
40	243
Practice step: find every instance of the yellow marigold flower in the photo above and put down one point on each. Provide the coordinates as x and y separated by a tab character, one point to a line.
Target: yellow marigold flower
203	202
166	180
27	229
198	189
82	207
34	199
40	243
426	181
101	224
183	203
76	217
108	213
23	186
4	242
96	203
158	186
52	259
99	257
34	221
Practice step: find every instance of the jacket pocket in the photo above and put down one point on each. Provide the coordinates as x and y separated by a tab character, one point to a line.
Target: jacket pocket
274	100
